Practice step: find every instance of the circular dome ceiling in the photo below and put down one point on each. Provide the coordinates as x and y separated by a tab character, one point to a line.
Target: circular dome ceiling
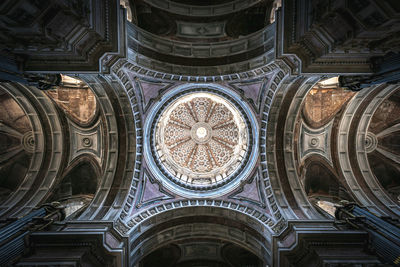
201	140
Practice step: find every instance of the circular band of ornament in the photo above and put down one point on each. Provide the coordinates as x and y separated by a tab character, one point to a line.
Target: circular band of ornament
202	140
371	142
28	142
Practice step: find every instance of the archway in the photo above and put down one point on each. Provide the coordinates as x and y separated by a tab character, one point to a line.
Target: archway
215	230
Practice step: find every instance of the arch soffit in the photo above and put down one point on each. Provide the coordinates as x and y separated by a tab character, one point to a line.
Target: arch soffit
119	137
286	107
342	150
201	232
84	158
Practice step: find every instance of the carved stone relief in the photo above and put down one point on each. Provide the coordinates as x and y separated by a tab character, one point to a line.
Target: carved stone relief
86	140
315	141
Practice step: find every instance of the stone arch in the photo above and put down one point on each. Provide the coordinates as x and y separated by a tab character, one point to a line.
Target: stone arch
282	148
208	223
51	152
121	139
47	150
131	217
296	141
353	145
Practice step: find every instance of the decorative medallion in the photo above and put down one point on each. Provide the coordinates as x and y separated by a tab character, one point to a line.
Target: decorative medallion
201	139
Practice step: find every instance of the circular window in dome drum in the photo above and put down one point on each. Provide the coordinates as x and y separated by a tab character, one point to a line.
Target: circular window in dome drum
201	139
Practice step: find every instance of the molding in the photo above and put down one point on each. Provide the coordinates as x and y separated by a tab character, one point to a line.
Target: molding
202	11
190	50
162	75
120	140
136	149
137	220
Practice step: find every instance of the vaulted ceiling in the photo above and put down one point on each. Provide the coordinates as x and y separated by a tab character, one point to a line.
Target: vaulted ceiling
183	133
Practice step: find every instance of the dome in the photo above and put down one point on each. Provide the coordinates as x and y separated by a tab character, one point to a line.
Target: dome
201	140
